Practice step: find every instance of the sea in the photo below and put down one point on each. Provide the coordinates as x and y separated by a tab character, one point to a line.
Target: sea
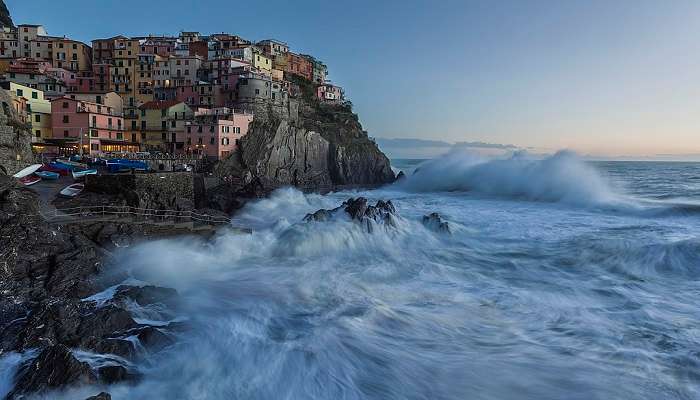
559	278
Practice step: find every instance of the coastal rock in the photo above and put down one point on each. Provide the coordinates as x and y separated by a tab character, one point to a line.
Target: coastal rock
5	19
54	367
435	222
154	339
310	145
400	176
383	213
101	396
145	295
115	373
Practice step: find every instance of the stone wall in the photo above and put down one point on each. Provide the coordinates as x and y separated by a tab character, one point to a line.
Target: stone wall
167	190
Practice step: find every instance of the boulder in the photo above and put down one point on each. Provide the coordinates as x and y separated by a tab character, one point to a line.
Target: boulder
53	368
433	221
154	339
382	213
115	373
145	295
101	396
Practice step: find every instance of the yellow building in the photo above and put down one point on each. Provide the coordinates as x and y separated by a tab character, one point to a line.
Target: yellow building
70	54
162	125
262	63
38	109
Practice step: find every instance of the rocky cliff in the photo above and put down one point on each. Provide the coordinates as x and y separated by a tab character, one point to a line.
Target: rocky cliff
15	138
5	19
307	144
46	272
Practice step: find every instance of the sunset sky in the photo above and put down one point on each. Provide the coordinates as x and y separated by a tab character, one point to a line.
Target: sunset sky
604	78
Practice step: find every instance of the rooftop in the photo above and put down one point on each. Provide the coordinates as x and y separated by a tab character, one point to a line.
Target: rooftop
159	104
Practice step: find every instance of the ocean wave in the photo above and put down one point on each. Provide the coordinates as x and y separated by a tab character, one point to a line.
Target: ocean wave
562	177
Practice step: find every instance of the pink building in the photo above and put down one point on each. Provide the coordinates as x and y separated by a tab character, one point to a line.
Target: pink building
330	93
201	94
216	132
102	127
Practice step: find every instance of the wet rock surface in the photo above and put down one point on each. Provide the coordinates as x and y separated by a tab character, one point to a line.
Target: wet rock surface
434	221
359	210
307	144
46	272
145	295
100	396
53	368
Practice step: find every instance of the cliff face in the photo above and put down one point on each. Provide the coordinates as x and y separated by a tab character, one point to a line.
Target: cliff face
309	145
15	138
5	19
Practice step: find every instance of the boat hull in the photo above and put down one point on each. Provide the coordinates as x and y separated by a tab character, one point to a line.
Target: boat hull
27	171
29	180
52	176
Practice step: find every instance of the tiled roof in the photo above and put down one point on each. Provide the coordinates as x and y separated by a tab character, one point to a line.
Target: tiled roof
159	105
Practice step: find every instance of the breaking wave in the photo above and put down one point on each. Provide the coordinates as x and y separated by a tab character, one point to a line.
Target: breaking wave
562	177
586	304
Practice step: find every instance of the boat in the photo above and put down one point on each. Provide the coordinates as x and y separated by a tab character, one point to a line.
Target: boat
122	164
52	176
72	190
29	180
81	174
27	171
72	163
53	168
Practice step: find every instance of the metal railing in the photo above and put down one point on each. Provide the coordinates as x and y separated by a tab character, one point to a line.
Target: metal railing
130	214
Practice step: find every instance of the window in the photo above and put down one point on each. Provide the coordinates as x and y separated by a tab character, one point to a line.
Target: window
257	91
37	118
133	125
143	125
172	124
20	93
94	146
199	140
212	141
163	125
93	133
66	119
163	113
143	113
189	129
37	133
65	133
163	136
65	104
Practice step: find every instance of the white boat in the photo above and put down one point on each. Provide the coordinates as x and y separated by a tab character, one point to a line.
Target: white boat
27	171
72	190
81	174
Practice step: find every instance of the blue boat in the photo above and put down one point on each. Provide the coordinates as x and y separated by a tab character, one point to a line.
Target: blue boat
81	174
121	164
58	165
48	175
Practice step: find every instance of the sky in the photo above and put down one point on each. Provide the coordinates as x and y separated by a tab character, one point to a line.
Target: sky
603	78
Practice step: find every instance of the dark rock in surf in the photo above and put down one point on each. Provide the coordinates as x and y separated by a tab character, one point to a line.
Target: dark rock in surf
101	396
383	212
154	339
435	222
53	368
115	373
145	295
